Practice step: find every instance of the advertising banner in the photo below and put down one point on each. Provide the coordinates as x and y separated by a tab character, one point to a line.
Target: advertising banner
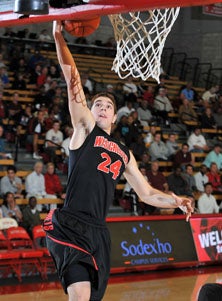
142	243
213	9
207	234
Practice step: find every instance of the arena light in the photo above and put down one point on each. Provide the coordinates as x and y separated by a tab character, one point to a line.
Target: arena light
31	7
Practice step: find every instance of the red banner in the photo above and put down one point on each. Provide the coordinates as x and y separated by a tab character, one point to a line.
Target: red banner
213	9
207	235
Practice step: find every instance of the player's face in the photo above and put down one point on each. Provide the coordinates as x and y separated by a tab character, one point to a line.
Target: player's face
103	112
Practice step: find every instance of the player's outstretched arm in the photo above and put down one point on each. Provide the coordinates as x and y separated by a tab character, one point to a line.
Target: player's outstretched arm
152	196
77	101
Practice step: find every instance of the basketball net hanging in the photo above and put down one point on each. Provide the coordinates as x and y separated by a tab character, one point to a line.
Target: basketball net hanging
140	38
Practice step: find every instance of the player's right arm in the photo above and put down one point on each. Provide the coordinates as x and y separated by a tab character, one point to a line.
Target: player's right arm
81	116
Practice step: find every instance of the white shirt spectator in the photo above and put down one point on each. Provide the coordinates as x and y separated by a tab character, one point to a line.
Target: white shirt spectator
35	185
124	111
65	146
207	204
54	136
200	180
196	140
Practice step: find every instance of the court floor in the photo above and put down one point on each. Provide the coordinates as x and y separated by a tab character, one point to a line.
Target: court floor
182	285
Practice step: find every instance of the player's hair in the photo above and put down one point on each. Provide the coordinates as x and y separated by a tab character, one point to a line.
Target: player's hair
105	94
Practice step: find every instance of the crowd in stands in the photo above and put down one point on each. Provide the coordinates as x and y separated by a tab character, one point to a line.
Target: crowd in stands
43	127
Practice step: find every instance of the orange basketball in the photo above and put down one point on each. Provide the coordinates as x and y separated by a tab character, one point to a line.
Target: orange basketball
81	28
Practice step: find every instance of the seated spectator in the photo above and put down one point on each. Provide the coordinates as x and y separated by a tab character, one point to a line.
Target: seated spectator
53	184
209	96
3	108
188	92
66	143
197	142
41	79
11	183
158	149
35	184
177	183
172	145
19	82
10	209
214	178
186	112
3	153
201	178
129	87
162	104
35	130
86	82
145	160
31	216
14	107
207	202
144	113
4	77
138	147
126	110
44	36
150	135
207	119
53	138
189	177
183	157
148	95
156	178
214	156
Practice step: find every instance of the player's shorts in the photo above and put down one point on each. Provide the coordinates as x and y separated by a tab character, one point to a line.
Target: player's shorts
80	240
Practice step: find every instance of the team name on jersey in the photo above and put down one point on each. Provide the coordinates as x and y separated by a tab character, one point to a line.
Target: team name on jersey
111	146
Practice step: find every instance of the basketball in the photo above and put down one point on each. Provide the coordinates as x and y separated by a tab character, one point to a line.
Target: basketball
81	28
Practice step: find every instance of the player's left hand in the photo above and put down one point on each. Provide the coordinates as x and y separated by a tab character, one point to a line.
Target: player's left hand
185	204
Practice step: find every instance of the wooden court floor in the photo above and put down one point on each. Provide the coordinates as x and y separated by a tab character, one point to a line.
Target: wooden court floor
168	285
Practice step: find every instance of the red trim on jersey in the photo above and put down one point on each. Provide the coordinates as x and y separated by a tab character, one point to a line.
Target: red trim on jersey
75	247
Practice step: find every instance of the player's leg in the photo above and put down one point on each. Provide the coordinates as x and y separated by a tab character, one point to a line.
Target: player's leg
77	281
79	291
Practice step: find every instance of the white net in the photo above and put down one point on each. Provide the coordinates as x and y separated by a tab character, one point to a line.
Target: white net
140	38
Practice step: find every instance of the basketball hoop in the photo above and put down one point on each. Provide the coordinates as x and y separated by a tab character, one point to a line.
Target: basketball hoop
140	38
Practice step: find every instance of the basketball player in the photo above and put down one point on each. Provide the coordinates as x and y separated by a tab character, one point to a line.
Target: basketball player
77	236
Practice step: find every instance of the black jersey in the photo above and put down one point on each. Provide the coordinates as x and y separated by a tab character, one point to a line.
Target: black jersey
94	170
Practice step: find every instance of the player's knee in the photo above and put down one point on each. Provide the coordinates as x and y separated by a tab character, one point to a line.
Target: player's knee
79	291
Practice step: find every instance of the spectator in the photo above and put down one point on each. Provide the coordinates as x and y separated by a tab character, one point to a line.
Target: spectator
158	149
3	108
209	96
31	216
53	185
196	141
156	178
148	95
207	202
214	156
35	184
189	177
11	183
3	153
10	209
188	92
14	107
177	183
201	178
183	157
44	36
4	77
19	82
207	119
150	135
215	178
66	143
145	160
54	138
41	79
186	112
138	147
35	129
129	87
172	146
144	113
86	82
126	110
36	59
162	104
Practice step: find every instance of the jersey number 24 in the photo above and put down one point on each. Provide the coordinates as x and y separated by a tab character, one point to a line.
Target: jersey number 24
108	167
